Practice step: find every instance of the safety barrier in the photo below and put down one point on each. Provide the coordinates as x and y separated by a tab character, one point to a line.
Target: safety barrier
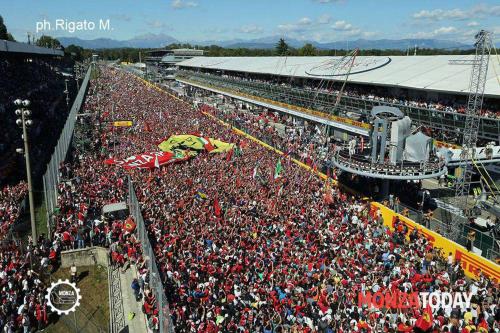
472	263
155	279
483	241
51	177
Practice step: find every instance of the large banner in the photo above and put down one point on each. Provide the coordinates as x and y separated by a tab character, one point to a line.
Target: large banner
151	160
195	142
220	146
185	141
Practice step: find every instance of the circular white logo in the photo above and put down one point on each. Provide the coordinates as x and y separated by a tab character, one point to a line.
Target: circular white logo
63	297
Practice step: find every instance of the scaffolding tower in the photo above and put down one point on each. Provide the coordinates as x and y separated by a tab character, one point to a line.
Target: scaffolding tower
477	83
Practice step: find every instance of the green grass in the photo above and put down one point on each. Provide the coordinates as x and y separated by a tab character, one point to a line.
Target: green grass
92	316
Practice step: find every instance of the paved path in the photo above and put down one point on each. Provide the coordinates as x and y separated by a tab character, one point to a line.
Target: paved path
138	323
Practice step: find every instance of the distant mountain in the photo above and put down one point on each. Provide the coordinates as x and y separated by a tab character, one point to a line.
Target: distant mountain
396	44
382	44
160	40
258	43
142	41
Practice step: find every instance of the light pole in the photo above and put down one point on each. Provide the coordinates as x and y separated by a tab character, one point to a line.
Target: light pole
77	76
25	122
66	91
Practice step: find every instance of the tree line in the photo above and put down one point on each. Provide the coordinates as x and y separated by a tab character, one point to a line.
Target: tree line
281	48
4	34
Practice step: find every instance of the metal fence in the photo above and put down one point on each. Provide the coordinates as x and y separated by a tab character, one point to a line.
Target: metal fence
116	313
483	241
155	281
51	177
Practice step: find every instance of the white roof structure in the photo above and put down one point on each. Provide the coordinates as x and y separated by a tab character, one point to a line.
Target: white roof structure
434	73
16	47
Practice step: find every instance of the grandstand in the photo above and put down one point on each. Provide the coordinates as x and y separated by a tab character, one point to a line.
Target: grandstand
431	90
45	91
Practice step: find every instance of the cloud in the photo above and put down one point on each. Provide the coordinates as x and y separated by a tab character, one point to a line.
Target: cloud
251	29
370	34
305	21
440	14
289	27
480	10
324	19
299	26
445	30
353	32
434	33
472	24
156	24
179	4
342	26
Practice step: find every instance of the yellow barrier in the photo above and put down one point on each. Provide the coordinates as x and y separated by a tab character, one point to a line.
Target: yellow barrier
440	144
472	263
122	123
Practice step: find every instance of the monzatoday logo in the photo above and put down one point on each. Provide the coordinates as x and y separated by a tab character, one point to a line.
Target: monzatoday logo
401	300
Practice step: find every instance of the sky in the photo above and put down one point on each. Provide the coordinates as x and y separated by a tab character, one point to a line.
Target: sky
218	20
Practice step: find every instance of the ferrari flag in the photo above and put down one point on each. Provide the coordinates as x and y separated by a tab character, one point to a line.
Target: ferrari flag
194	142
151	160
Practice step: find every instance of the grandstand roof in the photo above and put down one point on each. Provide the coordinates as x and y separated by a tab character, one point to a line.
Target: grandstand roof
16	47
417	72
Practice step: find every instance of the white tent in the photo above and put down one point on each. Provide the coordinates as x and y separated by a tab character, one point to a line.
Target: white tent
418	147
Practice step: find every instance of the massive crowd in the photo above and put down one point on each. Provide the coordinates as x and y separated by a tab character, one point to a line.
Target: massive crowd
273	255
253	253
305	141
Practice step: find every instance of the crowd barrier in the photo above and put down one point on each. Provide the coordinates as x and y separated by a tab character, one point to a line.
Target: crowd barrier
155	279
472	263
51	177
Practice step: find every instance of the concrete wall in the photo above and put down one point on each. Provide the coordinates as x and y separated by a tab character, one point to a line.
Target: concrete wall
83	257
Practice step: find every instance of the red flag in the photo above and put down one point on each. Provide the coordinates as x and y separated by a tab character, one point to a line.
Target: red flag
483	326
129	225
328	197
425	320
229	155
217	208
150	160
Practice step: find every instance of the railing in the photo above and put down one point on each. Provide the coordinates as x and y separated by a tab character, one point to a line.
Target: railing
324	101
51	177
404	170
155	279
483	241
116	313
